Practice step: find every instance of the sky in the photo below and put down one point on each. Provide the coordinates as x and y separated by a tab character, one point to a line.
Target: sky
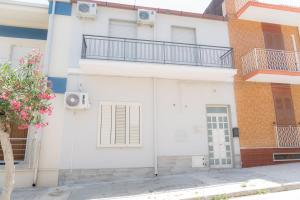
197	6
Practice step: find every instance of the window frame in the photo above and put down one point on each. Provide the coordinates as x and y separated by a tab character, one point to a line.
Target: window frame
113	103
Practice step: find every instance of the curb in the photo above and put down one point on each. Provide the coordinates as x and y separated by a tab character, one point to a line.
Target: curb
226	196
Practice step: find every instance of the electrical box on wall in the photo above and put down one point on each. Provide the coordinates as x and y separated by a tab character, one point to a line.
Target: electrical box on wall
199	161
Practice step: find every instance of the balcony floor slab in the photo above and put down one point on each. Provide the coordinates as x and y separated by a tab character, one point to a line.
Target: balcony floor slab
273	76
268	13
153	70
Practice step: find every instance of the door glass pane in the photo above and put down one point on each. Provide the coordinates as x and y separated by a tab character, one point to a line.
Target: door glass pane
209	132
208	119
217	161
221	125
214	119
225	119
214	125
225	125
226	132
216	110
209	125
227	139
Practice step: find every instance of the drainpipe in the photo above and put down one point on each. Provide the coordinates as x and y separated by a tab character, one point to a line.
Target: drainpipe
296	51
155	125
38	139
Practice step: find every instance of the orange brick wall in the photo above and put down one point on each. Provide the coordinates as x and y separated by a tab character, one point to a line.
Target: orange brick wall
255	107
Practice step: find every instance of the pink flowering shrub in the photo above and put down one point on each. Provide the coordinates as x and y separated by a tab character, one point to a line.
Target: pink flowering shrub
24	93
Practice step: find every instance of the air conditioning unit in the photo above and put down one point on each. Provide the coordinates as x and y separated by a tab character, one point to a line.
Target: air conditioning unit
146	17
76	100
86	9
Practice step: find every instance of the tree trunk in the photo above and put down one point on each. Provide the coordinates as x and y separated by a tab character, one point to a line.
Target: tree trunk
9	165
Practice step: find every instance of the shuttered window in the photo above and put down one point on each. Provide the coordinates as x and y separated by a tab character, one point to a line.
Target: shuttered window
123	29
183	35
119	124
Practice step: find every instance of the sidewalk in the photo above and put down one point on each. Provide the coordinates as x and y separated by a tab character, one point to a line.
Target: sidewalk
232	182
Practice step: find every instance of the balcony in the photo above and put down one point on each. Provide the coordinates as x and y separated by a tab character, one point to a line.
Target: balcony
285	12
272	66
287	136
147	58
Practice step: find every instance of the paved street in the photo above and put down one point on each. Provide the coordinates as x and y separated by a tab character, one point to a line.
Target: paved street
288	195
186	186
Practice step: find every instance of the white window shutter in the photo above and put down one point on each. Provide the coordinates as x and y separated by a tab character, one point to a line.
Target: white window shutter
105	124
134	124
120	124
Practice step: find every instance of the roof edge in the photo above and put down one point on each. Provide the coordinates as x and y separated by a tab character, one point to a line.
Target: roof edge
158	10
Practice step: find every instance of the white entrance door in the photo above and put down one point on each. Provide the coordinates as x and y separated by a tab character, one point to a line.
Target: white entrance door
219	141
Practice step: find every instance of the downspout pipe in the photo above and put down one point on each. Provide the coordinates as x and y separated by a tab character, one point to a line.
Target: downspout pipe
155	137
155	134
38	139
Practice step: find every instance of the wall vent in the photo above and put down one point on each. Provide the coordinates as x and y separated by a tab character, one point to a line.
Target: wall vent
286	156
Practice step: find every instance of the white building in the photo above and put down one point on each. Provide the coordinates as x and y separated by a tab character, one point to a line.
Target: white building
160	93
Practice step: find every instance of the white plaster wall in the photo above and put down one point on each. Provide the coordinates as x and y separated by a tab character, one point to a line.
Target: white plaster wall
6	45
181	112
61	46
181	109
28	15
79	147
208	32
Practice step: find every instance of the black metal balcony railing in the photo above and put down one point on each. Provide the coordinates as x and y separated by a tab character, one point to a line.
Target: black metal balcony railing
135	50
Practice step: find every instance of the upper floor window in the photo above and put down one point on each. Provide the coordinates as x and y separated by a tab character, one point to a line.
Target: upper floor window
183	35
123	29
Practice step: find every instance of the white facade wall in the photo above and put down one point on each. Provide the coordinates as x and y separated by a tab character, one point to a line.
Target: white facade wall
181	120
181	105
182	125
70	140
79	146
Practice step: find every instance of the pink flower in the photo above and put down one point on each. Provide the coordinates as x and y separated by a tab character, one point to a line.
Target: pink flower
31	61
4	96
21	61
40	125
46	96
46	111
15	104
24	115
28	108
23	126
